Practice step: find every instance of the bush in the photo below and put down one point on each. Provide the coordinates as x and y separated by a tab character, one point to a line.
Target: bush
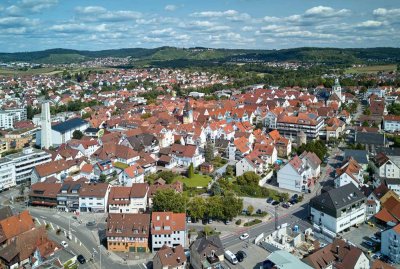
253	222
238	222
58	231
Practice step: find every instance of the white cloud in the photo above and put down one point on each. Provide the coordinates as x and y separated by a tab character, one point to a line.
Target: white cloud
326	12
386	12
30	6
247	28
78	28
370	24
170	7
12	22
98	13
271	19
212	14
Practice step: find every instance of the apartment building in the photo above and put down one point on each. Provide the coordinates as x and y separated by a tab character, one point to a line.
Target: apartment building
309	123
7	174
168	228
9	116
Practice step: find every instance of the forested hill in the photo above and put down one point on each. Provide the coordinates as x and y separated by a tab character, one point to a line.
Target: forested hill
204	55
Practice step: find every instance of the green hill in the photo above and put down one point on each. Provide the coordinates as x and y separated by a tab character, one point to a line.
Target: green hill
204	55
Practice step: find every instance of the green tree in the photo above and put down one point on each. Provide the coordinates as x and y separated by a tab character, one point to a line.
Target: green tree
22	189
169	200
77	134
232	206
197	207
367	111
207	230
230	170
248	178
216	189
215	209
209	152
190	172
250	209
29	112
102	178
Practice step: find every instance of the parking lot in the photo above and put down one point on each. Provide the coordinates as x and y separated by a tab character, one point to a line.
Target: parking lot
255	255
358	235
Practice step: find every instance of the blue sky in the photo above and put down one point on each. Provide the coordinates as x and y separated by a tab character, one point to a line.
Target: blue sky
27	25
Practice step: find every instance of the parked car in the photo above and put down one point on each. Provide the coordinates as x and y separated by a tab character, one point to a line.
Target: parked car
295	196
81	259
285	205
375	239
189	220
210	221
244	236
377	256
258	211
369	243
240	255
227	222
230	257
91	223
275	203
270	200
64	244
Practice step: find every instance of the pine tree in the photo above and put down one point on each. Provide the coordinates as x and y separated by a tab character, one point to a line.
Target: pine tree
191	171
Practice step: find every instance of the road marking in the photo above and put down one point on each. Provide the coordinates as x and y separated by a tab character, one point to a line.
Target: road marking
43	217
38	221
52	227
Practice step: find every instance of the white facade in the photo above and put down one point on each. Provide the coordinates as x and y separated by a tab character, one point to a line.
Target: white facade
243	166
127	181
61	138
7	174
172	239
133	205
390	244
290	179
96	204
391	125
345	179
45	133
9	116
26	160
389	169
357	215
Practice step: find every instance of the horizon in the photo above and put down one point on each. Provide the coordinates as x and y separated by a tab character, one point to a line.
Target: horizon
36	25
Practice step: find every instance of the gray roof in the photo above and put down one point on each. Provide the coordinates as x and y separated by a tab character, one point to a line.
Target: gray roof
331	201
221	143
5	212
392	181
69	125
388	151
361	156
202	244
370	138
284	260
139	142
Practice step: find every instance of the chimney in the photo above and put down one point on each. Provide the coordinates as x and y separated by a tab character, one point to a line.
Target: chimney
337	249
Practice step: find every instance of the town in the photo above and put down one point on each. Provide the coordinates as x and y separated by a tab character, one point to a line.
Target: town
97	170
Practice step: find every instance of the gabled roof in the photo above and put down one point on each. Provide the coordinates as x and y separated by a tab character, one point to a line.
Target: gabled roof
71	124
171	257
15	225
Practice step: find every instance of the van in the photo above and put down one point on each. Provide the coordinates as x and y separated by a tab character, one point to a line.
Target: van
230	257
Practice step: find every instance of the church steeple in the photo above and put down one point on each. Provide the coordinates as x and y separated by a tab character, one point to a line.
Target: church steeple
187	112
337	89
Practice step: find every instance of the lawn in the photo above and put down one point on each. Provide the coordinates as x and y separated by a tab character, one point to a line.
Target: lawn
196	181
371	69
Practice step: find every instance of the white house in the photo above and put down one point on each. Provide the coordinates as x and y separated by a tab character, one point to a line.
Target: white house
391	123
387	166
248	164
186	154
168	228
128	200
349	172
93	197
131	175
338	209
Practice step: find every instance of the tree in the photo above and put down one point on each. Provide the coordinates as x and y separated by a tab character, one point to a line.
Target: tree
367	112
209	152
250	209
197	207
232	206
190	171
365	124
248	178
207	230
103	178
230	170
216	189
77	134
169	200
22	189
215	207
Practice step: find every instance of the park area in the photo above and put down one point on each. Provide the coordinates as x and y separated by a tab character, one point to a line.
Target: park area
196	181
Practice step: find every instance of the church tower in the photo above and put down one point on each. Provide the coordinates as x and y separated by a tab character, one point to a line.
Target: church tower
45	135
337	89
187	113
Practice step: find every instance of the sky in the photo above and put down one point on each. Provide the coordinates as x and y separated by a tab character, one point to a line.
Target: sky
30	25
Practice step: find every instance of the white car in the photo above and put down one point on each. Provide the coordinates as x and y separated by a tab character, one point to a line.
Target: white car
377	256
244	236
64	244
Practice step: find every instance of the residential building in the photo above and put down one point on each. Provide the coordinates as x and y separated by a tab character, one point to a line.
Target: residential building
14	226
371	141
387	166
207	253
128	232
25	161
391	123
338	254
93	197
8	117
131	175
128	200
349	172
185	154
361	156
142	143
170	258
168	228
309	123
7	174
58	169
338	209
300	173
390	243
44	194
68	197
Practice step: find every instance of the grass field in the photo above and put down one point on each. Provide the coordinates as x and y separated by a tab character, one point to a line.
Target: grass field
371	69
196	181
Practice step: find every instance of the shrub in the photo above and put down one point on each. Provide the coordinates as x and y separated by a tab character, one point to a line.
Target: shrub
238	222
253	222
